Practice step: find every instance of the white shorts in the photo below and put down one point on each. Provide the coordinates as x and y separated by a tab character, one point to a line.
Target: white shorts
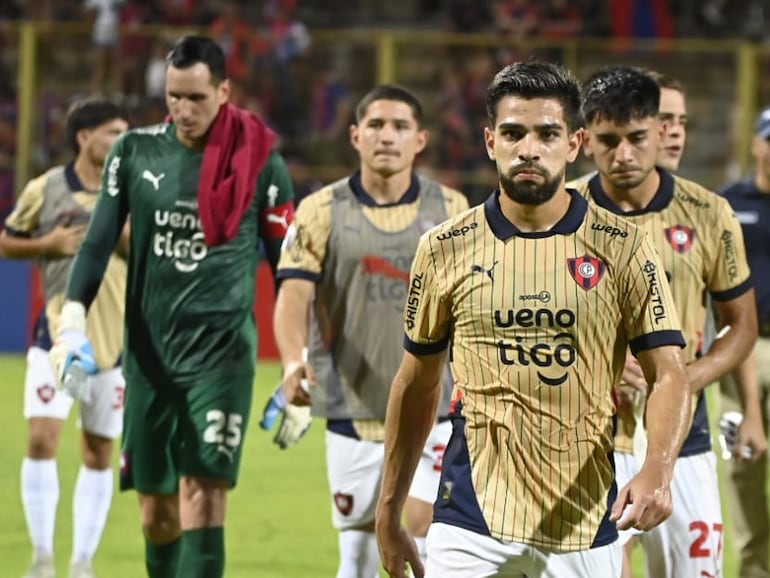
354	469
454	552
103	416
626	467
690	542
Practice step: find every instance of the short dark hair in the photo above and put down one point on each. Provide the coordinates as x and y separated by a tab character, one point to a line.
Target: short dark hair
390	92
620	94
190	50
530	80
667	81
88	113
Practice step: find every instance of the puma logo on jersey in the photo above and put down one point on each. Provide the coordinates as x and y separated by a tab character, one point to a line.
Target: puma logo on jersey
278	219
489	272
148	176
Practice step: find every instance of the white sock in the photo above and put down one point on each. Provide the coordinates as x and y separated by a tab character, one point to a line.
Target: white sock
90	505
359	557
420	542
40	496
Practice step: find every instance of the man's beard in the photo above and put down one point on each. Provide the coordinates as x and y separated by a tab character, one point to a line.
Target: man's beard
530	192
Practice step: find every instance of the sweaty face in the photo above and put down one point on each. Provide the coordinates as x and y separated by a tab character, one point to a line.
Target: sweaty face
193	99
673	113
531	146
97	142
388	137
625	154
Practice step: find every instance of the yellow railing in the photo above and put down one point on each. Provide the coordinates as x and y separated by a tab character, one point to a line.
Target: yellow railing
389	56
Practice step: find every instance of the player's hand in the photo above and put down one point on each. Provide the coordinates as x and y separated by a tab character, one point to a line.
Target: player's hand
64	241
72	346
397	548
633	376
750	442
295	422
293	376
644	502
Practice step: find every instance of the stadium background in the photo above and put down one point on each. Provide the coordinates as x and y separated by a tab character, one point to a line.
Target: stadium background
303	65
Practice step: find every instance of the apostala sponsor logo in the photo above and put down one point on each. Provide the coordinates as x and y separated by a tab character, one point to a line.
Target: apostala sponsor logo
180	239
542	296
697	203
458	232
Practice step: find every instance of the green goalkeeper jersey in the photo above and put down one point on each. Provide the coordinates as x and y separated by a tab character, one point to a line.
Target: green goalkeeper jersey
188	306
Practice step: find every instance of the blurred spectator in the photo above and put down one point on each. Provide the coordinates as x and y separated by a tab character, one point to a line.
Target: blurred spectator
641	19
469	15
516	18
180	12
134	48
155	71
233	34
560	19
304	183
104	40
289	37
331	108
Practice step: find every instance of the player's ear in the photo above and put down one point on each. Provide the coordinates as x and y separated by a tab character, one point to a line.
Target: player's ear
575	141
224	90
354	135
489	141
586	143
422	140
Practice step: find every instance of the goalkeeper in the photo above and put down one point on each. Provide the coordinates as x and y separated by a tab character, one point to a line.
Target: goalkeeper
201	192
349	252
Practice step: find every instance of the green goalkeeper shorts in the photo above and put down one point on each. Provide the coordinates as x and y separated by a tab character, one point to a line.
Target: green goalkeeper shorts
170	432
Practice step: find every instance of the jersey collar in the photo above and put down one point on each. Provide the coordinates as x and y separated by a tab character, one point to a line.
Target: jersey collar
660	201
503	229
73	182
410	196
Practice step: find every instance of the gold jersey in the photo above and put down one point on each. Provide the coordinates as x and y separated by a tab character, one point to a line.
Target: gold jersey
55	198
701	245
537	325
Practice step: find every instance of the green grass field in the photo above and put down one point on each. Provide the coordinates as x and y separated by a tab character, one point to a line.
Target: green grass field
278	517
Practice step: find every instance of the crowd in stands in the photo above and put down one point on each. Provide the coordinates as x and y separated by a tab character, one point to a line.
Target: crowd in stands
304	89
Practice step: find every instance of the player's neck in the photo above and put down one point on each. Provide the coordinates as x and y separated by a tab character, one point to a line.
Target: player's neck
762	181
636	198
385	189
536	218
89	175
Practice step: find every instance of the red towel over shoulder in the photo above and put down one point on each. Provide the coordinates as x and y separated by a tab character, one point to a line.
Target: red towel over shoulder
237	149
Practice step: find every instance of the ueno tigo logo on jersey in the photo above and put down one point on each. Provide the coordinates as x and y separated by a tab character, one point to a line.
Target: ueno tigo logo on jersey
587	271
680	237
180	238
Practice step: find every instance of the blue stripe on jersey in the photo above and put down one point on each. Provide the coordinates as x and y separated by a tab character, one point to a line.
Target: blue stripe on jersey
41	337
734	292
343	427
425	348
456	503
657	339
699	439
608	531
297	274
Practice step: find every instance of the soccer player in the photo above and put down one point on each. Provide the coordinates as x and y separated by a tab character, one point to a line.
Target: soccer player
701	246
539	294
348	258
201	192
672	112
746	488
48	224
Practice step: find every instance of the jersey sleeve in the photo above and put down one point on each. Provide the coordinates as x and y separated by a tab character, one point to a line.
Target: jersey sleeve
304	249
427	312
454	201
649	315
275	194
730	276
23	220
104	228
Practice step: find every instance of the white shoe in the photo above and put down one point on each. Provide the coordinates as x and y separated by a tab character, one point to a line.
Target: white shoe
42	568
81	570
